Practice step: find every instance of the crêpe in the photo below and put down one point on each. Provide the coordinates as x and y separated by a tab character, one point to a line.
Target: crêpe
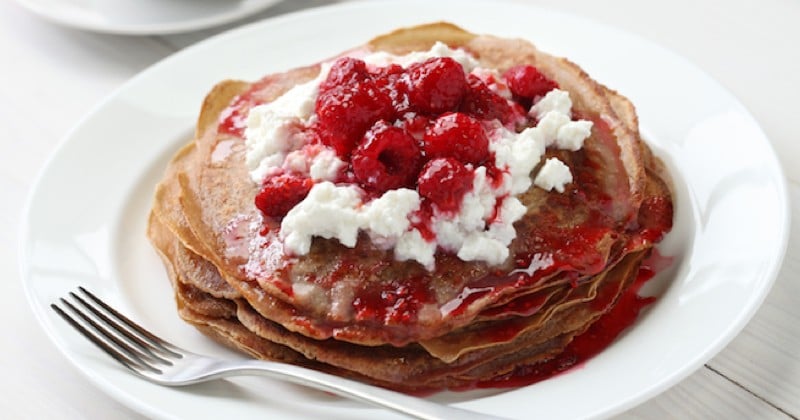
233	280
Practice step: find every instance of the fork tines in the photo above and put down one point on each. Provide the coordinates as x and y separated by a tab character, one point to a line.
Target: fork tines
121	338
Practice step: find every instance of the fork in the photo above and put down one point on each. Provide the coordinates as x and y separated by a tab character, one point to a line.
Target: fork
164	363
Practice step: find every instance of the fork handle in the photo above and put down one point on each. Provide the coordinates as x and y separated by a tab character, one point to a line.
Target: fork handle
401	403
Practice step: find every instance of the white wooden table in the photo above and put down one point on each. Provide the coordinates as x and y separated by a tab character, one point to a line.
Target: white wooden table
51	76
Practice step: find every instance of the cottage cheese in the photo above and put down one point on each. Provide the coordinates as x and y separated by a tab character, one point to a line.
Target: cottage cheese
272	127
439	49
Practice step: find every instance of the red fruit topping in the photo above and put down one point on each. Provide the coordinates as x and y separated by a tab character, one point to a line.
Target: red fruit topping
396	302
383	73
444	181
436	85
655	218
390	79
233	119
345	112
345	70
388	158
280	193
458	136
416	125
527	82
483	103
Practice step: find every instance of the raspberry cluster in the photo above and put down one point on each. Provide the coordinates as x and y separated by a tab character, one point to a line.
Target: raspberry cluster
419	127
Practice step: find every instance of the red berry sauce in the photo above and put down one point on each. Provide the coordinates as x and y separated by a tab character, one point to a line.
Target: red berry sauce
233	119
396	303
583	347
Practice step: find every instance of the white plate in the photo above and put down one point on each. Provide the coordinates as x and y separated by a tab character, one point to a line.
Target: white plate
86	216
144	17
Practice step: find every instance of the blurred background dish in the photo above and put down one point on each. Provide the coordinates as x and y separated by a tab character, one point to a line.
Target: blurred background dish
144	17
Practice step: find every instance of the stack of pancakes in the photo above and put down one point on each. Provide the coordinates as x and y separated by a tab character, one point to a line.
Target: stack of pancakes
358	312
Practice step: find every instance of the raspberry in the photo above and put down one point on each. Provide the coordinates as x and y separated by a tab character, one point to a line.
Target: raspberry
527	82
416	124
281	193
436	85
444	181
345	112
345	70
482	103
458	136
388	158
390	80
385	72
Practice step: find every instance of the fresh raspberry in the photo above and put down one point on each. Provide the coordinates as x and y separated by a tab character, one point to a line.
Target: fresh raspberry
388	158
416	124
344	71
281	193
527	82
458	136
444	181
436	85
484	104
390	79
385	72
345	112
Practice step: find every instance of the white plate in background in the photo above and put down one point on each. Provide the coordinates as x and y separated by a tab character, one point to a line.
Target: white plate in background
144	17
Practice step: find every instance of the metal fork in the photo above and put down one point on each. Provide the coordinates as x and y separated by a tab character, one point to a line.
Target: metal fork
159	361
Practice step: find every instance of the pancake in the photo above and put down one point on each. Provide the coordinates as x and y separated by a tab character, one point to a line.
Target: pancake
359	311
414	367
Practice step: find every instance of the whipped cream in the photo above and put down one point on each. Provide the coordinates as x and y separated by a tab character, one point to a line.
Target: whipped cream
481	230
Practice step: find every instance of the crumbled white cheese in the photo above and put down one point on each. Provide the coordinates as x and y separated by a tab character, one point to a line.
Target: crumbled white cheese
329	211
326	166
554	112
572	134
412	246
467	233
439	49
518	153
296	161
554	174
386	217
479	247
549	125
556	100
332	211
491	245
269	135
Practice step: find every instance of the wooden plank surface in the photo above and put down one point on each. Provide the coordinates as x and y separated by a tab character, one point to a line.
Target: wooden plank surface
764	357
705	394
